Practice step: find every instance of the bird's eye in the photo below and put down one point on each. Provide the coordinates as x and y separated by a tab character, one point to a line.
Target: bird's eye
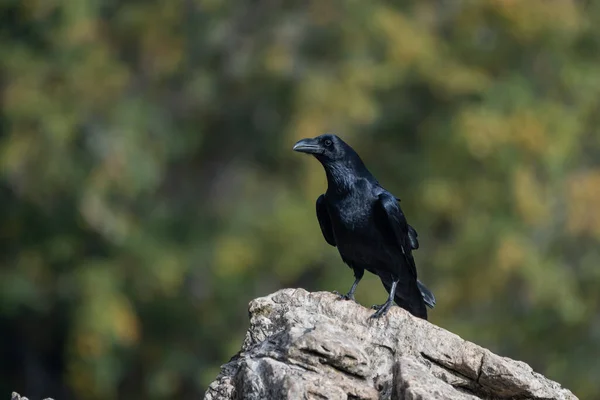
328	142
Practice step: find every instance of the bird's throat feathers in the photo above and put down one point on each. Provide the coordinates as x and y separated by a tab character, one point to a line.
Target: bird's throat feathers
343	175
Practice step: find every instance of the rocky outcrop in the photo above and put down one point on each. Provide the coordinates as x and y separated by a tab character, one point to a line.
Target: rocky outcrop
17	396
303	345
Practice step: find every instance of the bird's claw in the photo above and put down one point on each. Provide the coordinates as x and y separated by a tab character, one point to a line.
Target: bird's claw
382	309
347	296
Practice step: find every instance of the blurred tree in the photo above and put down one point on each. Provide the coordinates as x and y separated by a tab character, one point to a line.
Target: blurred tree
149	191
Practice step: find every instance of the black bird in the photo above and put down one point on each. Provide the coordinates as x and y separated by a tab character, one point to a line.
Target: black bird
365	222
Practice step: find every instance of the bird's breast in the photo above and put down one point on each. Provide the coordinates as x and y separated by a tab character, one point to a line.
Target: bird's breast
354	229
357	236
350	217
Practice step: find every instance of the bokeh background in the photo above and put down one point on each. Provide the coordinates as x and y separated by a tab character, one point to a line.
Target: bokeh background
148	189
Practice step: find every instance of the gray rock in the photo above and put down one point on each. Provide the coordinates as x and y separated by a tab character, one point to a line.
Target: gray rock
17	396
414	381
303	345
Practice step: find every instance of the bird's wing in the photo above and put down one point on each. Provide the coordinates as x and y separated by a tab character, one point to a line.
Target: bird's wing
412	235
325	221
394	219
391	219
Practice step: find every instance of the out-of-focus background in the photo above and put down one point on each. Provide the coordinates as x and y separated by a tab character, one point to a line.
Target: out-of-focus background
148	189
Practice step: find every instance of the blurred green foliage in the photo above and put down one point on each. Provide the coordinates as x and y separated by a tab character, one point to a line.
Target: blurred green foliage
148	189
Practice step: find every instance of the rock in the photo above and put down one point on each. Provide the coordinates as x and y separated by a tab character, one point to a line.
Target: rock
303	345
413	381
17	396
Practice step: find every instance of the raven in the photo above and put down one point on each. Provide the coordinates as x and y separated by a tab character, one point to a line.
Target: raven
365	222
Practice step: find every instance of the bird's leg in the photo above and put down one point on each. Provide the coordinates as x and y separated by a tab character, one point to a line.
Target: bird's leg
358	274
383	308
350	294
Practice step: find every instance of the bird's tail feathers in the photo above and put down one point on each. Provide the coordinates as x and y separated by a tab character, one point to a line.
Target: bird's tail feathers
408	297
428	297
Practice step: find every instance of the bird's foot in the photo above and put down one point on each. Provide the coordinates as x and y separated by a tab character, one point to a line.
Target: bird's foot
347	296
381	309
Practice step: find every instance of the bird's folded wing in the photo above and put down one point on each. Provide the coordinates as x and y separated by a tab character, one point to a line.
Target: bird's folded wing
395	220
325	221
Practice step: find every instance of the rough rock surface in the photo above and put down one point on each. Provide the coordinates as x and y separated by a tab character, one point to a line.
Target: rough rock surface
17	396
303	345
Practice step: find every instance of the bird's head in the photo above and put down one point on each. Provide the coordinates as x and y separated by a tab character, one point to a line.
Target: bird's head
342	164
326	148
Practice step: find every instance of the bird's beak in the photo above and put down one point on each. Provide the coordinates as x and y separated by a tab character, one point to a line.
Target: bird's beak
309	146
